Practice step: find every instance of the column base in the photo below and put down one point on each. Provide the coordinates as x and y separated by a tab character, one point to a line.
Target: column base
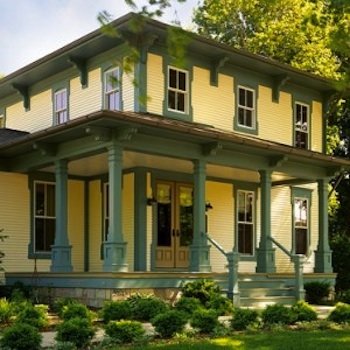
200	258
265	260
323	261
114	257
61	259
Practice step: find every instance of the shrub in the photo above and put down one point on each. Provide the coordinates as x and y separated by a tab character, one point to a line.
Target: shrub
75	310
242	318
35	316
78	331
341	313
344	297
303	312
187	305
220	303
6	310
203	290
115	311
169	323
59	304
144	308
21	336
125	331
317	291
65	346
205	320
276	314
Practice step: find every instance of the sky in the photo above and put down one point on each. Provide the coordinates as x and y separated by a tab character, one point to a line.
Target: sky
31	29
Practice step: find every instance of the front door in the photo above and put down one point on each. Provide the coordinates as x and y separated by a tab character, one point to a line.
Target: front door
174	224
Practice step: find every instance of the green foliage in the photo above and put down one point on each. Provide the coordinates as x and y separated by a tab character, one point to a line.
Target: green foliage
116	310
75	310
187	305
124	332
205	320
243	318
303	312
21	336
317	291
78	331
2	237
276	314
145	307
169	323
341	313
35	316
6	311
221	304
203	290
59	304
344	296
66	345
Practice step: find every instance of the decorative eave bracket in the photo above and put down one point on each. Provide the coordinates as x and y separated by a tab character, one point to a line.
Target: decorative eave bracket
81	65
24	92
45	149
278	81
216	65
125	134
99	133
278	161
211	148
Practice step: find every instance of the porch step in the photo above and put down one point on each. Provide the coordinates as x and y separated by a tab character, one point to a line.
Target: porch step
261	302
265	292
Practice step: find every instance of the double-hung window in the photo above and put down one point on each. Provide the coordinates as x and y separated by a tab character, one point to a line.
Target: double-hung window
112	89
301	224
301	137
44	216
178	90
245	222
60	106
246	108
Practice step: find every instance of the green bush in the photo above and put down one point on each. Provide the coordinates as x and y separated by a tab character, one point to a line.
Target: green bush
59	304
35	316
341	313
145	307
116	310
303	312
169	323
221	304
65	346
205	320
317	291
276	314
344	296
6	310
203	290
124	332
21	336
187	305
243	318
75	310
78	331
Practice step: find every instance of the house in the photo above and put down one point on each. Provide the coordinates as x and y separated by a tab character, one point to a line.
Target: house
221	172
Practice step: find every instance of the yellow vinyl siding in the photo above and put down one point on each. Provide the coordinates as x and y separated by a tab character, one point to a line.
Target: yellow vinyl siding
316	127
212	105
128	218
220	221
155	84
275	120
83	101
76	223
38	117
128	91
95	226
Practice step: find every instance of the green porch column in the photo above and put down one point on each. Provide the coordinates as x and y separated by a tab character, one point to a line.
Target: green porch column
199	249
61	250
323	254
115	247
265	252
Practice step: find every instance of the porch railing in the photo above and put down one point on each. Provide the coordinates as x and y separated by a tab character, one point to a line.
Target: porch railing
232	258
298	261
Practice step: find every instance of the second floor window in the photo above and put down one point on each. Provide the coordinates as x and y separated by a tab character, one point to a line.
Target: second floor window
177	90
112	89
301	137
301	225
61	106
246	107
2	120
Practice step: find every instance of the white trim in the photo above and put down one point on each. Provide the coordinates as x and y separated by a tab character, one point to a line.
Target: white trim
177	90
246	108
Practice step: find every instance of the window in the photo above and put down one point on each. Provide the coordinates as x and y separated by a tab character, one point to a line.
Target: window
105	211
177	90
301	125
2	120
245	222
246	107
60	106
112	89
301	224
44	216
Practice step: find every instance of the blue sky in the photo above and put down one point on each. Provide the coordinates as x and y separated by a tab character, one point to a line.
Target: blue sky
30	29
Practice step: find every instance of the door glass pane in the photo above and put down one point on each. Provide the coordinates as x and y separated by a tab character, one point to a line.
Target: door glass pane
186	215
164	214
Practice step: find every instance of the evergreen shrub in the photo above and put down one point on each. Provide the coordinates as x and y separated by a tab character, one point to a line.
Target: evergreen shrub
116	310
124	332
170	323
243	318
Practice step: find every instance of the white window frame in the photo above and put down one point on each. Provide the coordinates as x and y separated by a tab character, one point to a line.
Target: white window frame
106	209
246	108
252	222
302	127
178	91
304	227
115	87
44	215
61	114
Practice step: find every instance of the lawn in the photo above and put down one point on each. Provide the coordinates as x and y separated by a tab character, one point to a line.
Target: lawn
276	340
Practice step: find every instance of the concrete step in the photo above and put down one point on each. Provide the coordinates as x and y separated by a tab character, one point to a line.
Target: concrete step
262	302
266	292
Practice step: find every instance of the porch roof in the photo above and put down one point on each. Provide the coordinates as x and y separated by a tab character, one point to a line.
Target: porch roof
209	140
